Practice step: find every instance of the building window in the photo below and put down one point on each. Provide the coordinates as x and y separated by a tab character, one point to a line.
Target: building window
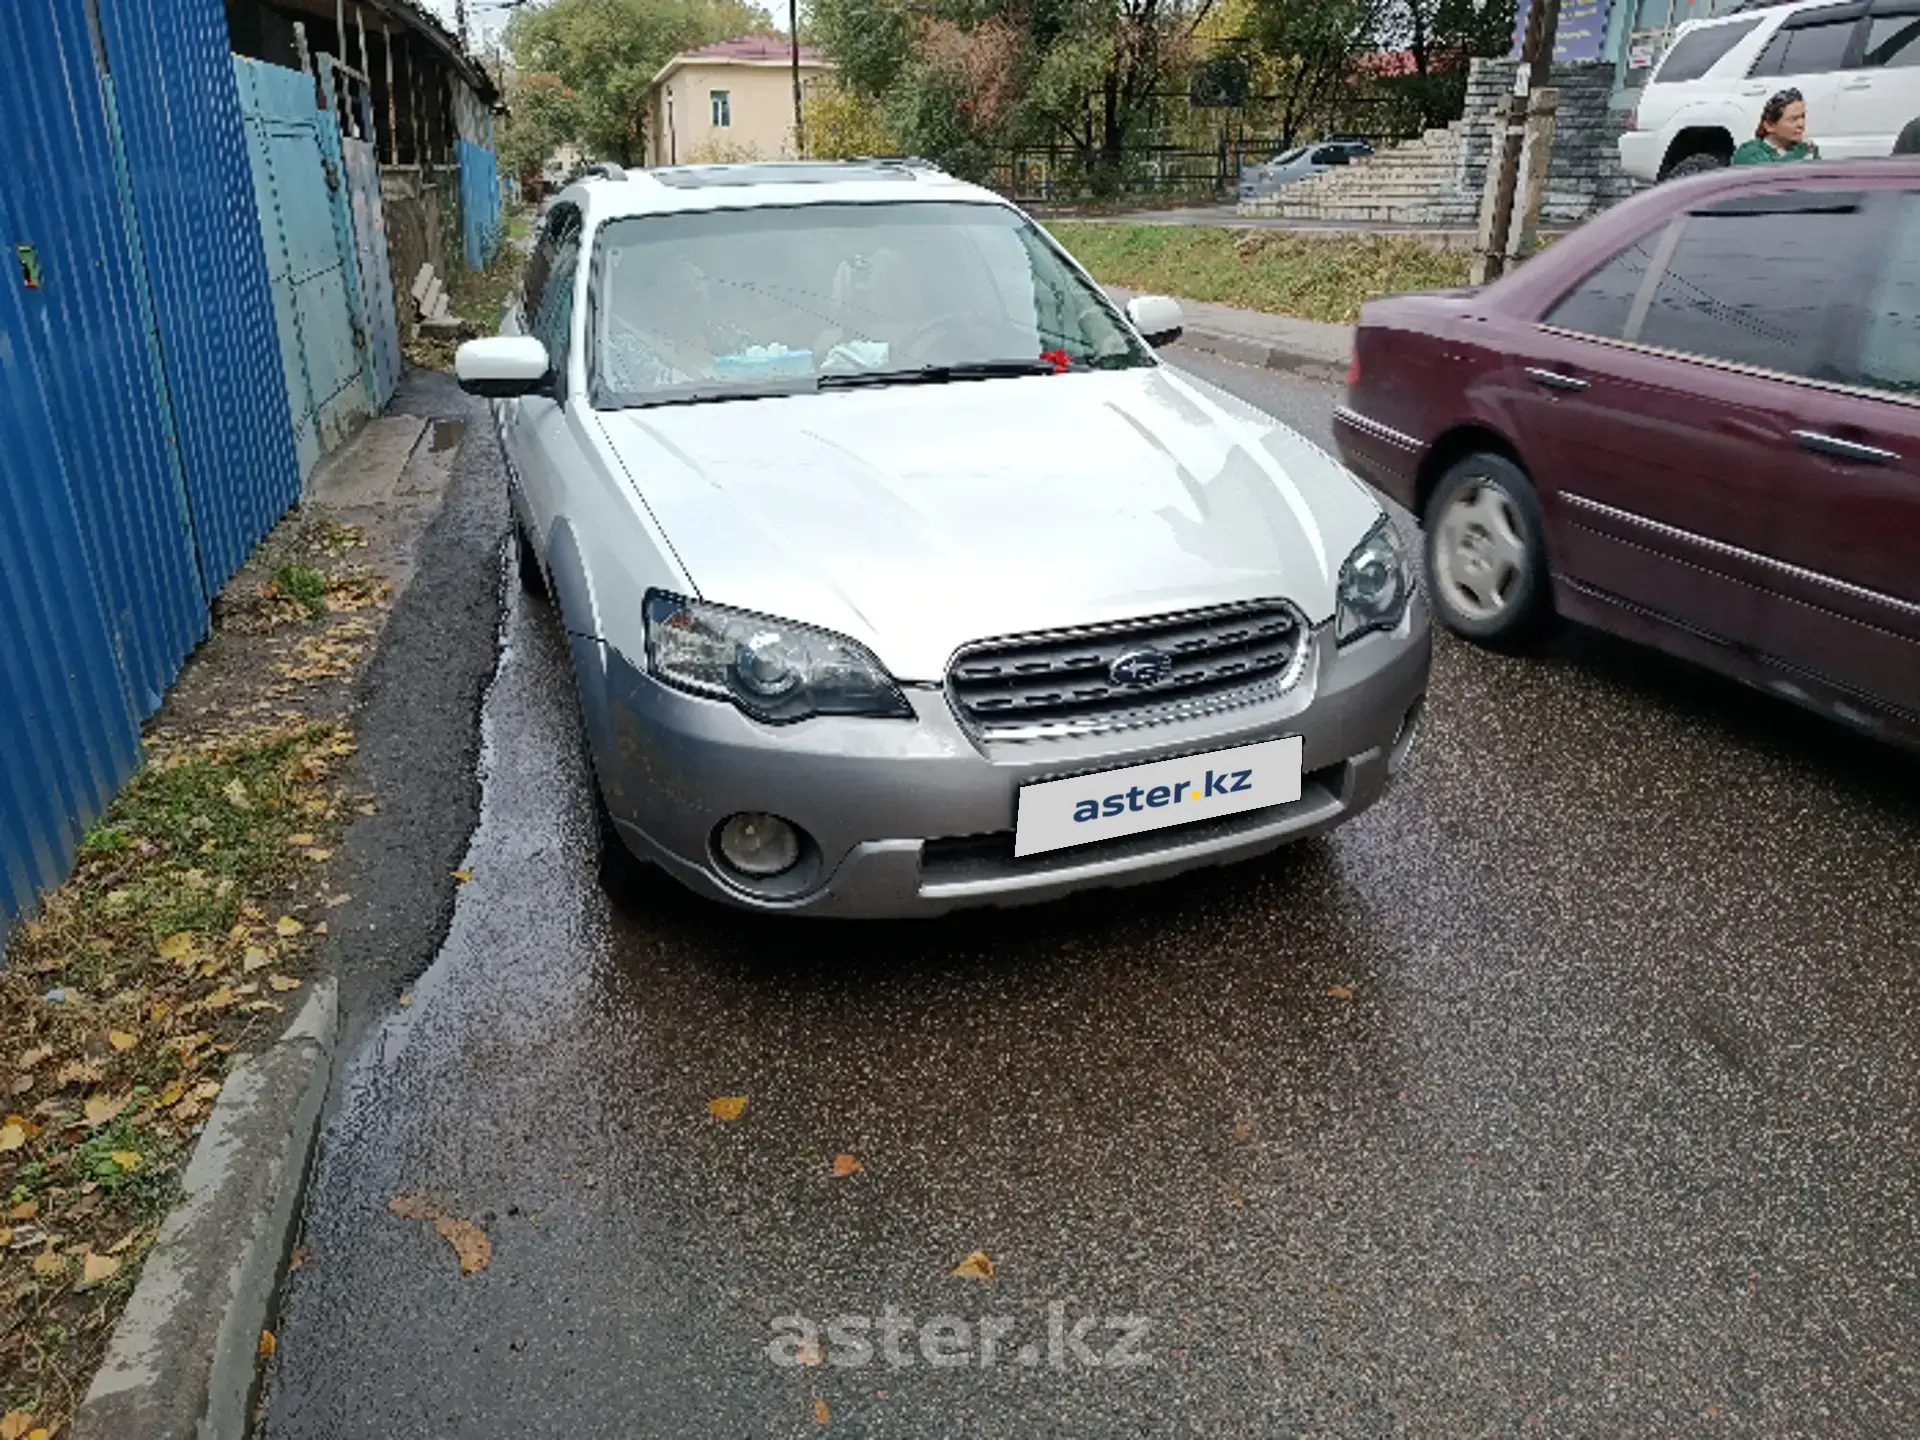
722	102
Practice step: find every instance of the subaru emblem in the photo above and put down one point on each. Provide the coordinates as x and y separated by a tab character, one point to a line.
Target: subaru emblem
1141	668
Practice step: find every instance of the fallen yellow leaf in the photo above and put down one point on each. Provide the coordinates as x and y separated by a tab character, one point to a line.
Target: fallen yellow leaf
31	1058
268	1344
12	1137
821	1412
102	1108
317	856
6	1236
49	1262
122	1039
25	1210
171	1093
219	999
287	927
236	794
124	1243
469	1242
977	1266
1340	992
127	1159
406	1000
256	958
96	1268
811	1352
727	1107
177	946
321	928
206	1090
301	839
411	1205
845	1164
463	876
14	1424
282	982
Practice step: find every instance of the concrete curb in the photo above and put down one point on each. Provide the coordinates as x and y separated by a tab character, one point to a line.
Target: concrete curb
1272	355
184	1354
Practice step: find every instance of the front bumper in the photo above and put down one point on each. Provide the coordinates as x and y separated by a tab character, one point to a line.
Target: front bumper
1641	152
916	818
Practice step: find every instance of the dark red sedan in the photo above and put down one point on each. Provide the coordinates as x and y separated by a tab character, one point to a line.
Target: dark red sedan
1694	422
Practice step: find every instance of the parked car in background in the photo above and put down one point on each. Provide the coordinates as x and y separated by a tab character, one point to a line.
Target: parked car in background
898	572
1694	422
1857	65
1299	164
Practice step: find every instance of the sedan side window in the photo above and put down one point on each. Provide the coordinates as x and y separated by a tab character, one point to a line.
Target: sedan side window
1890	344
1601	303
1756	281
554	326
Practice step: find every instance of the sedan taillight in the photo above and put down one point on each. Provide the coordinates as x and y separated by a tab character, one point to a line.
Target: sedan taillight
1353	365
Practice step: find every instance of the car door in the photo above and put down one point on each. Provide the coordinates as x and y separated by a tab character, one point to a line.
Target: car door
1844	599
1644	461
1808	53
522	319
543	450
1880	93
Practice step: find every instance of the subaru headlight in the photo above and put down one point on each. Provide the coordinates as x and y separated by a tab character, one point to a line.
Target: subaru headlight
773	670
1375	584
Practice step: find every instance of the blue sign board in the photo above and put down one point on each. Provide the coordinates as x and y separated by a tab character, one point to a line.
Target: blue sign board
1583	30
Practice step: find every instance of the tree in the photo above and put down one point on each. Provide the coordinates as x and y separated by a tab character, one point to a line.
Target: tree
1312	48
602	56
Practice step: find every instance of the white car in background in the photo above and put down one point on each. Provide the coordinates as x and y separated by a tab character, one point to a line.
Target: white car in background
1857	65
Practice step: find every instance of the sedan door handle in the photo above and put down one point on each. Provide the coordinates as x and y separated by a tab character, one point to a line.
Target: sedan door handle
1845	449
1554	380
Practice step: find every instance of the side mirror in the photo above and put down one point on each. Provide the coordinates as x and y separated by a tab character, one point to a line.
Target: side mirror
1157	318
503	366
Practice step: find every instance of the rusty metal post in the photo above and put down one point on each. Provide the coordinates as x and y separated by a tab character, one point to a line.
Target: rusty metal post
393	110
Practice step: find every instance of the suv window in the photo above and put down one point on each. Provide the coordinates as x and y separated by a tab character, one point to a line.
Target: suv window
1601	303
1890	344
1330	155
1893	42
1813	50
1753	284
553	325
562	220
1699	52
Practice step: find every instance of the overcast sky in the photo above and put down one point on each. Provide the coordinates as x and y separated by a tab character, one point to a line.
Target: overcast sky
487	18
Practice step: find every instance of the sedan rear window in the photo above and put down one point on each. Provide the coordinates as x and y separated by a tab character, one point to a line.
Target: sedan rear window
1699	52
713	304
1890	347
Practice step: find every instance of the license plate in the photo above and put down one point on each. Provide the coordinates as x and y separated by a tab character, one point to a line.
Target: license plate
1056	814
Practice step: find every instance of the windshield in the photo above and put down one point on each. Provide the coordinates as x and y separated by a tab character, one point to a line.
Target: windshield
728	303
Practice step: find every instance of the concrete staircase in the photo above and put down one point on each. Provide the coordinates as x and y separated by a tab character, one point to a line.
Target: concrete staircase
1415	183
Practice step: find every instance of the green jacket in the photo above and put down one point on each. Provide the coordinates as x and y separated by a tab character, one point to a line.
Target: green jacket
1761	152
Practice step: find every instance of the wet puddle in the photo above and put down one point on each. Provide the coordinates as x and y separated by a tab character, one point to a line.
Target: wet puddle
446	434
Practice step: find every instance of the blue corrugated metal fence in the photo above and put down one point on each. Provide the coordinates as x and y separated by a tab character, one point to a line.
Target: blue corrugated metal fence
144	438
479	203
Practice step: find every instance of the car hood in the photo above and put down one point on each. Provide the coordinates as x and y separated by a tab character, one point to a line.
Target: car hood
916	518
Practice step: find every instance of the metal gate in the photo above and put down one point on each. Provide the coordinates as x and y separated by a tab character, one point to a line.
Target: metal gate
299	179
376	279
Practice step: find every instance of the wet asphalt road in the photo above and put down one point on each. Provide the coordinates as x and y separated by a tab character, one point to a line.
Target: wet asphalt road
1570	1091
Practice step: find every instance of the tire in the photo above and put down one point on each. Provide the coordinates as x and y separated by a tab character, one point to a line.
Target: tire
528	563
1698	163
1486	553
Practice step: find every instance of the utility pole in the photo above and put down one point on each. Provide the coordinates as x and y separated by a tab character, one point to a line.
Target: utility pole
799	124
1523	129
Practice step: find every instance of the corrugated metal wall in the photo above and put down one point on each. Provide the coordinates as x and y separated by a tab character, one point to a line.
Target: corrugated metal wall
92	335
144	438
172	79
479	203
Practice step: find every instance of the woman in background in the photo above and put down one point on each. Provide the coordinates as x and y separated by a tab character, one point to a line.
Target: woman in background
1782	134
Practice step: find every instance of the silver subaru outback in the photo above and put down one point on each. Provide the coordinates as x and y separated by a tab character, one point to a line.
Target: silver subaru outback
901	575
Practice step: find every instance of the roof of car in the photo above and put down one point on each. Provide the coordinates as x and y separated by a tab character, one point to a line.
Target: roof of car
758	184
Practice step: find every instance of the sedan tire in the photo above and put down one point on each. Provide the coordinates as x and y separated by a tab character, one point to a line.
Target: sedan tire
1696	164
1486	553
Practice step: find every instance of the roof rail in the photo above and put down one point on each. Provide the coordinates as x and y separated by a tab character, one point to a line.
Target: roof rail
902	162
603	170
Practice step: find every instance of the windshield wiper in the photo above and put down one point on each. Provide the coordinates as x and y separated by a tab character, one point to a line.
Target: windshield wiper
938	374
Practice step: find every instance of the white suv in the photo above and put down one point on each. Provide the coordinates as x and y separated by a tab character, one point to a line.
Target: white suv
1857	65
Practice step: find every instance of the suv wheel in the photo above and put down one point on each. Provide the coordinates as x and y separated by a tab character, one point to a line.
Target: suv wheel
1486	552
1699	163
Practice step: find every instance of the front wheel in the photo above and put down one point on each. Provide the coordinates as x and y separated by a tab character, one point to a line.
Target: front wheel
1698	164
1486	553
